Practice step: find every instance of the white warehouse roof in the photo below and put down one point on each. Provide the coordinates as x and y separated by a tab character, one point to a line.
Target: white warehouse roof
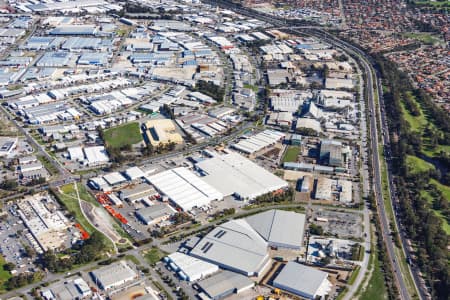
192	267
184	188
234	174
259	141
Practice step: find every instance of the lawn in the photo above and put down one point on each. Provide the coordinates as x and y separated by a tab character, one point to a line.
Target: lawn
376	288
69	189
153	255
72	205
4	275
417	123
416	165
123	135
291	154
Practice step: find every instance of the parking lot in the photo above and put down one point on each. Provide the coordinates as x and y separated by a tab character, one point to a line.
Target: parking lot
13	241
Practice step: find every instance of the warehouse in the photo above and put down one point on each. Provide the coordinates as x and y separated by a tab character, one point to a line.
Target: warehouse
345	191
331	152
114	275
74	30
323	189
48	225
234	246
162	131
233	174
137	192
134	173
225	283
259	141
96	155
154	214
96	58
280	228
114	178
190	268
68	290
303	281
55	59
304	123
184	188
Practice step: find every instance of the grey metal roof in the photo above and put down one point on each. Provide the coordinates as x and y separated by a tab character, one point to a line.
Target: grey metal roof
279	227
300	278
154	212
223	283
234	245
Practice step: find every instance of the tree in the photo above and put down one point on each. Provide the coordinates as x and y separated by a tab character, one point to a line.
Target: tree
315	229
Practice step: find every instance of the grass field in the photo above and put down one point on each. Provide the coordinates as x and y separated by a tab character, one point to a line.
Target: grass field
376	289
4	275
291	154
417	123
69	189
123	135
416	165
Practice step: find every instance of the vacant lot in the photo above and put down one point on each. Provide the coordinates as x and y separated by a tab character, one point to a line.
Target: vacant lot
123	135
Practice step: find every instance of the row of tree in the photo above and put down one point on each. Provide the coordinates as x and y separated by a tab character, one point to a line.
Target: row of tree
421	223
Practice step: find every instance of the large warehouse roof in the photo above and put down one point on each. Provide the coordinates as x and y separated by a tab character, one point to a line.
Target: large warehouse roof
303	281
184	188
279	228
234	245
259	141
192	267
234	174
114	275
225	283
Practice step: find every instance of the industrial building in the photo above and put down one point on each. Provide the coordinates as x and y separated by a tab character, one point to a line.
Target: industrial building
113	275
91	156
190	268
154	214
55	59
233	174
162	132
234	246
7	145
74	30
303	281
137	192
323	189
331	152
305	123
280	229
47	224
259	141
184	188
223	284
68	290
